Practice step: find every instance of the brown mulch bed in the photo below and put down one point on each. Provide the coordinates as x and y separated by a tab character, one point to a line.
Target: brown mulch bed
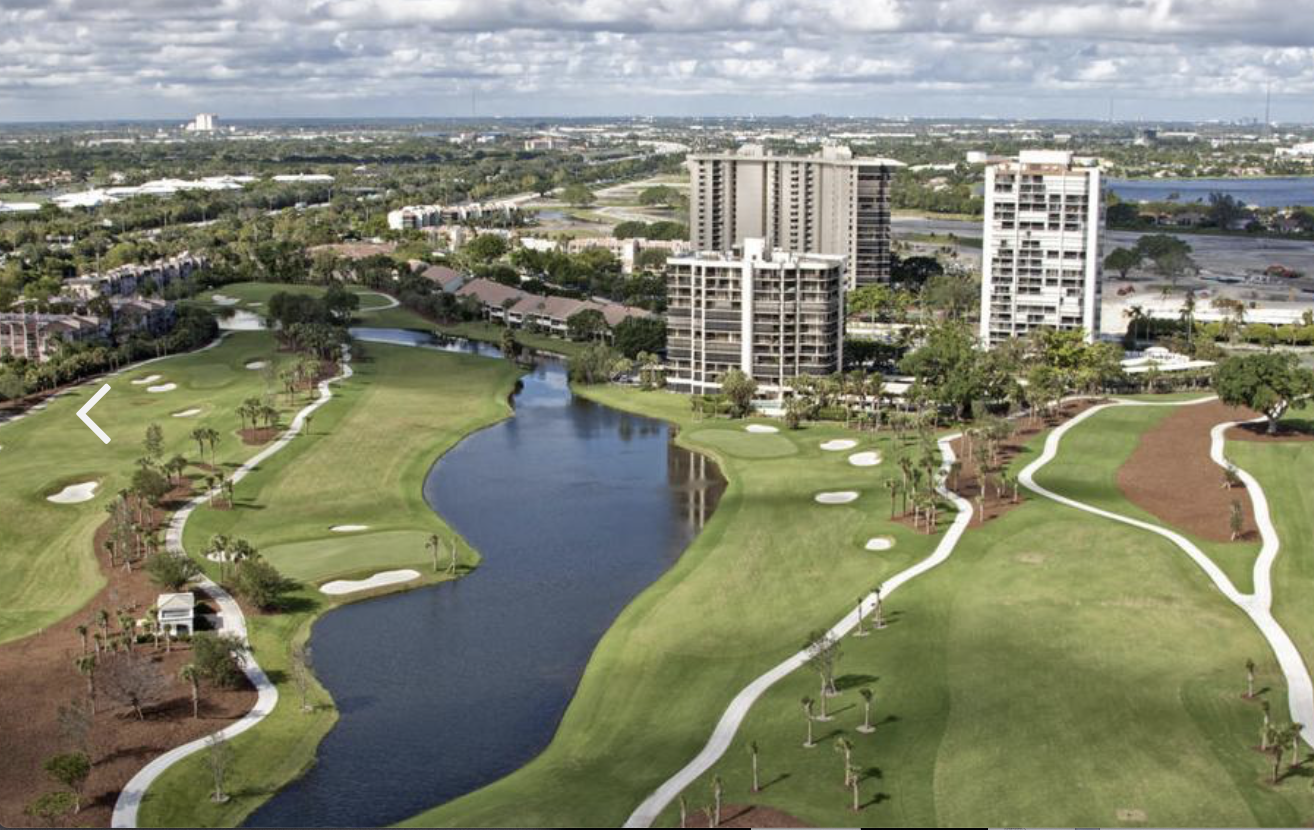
1259	432
258	435
968	484
747	815
1171	475
37	677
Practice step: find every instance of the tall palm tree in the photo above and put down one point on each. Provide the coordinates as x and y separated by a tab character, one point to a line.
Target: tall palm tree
86	666
433	546
862	627
191	674
718	790
866	727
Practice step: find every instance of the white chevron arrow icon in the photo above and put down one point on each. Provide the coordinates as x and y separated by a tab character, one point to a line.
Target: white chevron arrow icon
86	419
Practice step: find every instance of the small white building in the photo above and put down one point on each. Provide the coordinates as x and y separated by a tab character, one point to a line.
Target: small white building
177	613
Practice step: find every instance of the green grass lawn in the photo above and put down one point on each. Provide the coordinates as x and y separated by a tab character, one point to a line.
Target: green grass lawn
1282	470
47	570
364	462
770	566
1059	670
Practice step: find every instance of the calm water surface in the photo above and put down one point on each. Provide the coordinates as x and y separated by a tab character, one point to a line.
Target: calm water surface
1270	192
576	508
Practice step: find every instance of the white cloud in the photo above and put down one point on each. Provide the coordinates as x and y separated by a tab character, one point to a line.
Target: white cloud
265	57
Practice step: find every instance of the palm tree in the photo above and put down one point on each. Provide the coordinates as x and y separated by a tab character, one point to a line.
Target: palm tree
752	748
845	747
1275	740
878	619
718	789
684	811
199	436
1250	678
1293	735
862	627
866	727
807	713
1264	730
82	632
191	674
853	783
432	546
86	666
451	564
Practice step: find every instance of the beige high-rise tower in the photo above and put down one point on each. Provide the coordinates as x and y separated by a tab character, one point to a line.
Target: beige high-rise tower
1041	265
828	203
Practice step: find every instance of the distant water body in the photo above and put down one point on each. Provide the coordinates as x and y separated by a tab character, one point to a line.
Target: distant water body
1272	192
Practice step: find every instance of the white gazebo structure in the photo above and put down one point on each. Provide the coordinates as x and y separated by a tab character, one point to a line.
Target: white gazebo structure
177	613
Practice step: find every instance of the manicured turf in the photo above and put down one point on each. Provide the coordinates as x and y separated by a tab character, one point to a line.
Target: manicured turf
47	570
363	463
1283	471
1059	670
769	567
260	292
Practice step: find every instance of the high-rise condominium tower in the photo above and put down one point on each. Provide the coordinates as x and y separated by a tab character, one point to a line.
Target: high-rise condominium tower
828	203
1041	263
773	314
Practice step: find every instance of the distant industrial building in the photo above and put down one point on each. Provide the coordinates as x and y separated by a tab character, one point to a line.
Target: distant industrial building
827	203
774	314
1041	261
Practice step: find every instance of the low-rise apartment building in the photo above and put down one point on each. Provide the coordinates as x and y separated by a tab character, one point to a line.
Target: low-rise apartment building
414	217
772	313
127	280
521	309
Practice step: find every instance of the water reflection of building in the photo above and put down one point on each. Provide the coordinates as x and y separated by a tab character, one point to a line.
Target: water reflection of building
696	484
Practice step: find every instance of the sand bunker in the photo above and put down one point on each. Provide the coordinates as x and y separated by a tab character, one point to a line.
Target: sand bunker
257	364
349	586
838	497
865	459
348	528
221	299
761	428
879	543
187	413
75	493
147	379
838	444
163	387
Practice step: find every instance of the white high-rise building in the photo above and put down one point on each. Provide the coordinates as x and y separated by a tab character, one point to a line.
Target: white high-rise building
773	314
828	203
206	122
1041	260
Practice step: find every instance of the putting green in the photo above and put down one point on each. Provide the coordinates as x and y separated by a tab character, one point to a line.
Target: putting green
742	444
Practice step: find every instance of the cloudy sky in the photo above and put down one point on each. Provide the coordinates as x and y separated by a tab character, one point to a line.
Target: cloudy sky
95	59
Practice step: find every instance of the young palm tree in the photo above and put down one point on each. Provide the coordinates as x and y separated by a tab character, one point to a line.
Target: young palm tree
862	626
1250	678
86	666
451	563
753	750
718	789
807	713
433	545
845	747
1293	735
853	784
1264	730
1275	739
684	811
192	675
866	727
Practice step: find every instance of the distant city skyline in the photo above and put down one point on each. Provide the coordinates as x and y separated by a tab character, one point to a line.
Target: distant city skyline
1153	59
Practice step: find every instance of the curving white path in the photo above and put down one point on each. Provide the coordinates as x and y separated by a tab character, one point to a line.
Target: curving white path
1256	605
129	801
646	813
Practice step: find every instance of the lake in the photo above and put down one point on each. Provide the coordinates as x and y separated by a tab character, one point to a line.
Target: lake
1269	192
576	508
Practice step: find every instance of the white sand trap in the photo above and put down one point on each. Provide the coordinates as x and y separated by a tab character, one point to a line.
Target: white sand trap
257	364
147	379
838	497
187	413
163	387
349	528
221	299
349	586
839	444
761	428
75	493
879	543
865	459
